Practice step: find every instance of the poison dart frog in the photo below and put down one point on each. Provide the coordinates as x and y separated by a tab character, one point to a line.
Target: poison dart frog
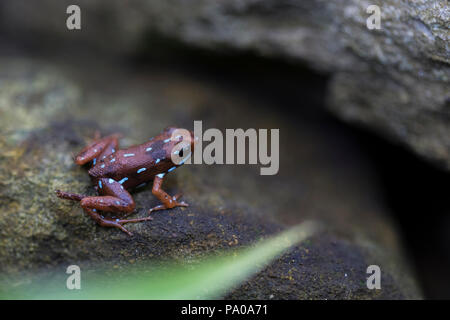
115	171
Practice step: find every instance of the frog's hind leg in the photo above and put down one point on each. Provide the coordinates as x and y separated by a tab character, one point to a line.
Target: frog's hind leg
70	196
112	146
98	149
113	198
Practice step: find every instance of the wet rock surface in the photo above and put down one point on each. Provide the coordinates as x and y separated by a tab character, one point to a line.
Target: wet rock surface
50	110
394	80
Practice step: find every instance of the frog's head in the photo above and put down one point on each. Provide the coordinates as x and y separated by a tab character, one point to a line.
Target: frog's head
176	132
180	134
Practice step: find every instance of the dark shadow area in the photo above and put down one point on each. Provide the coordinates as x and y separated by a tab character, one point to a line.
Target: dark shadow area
417	194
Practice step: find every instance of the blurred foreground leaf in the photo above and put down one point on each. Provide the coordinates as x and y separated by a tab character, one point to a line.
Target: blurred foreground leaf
209	279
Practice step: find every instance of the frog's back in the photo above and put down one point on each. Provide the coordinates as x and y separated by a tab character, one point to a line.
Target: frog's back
137	164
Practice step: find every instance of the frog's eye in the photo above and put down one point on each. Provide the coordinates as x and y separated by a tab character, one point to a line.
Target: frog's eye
183	152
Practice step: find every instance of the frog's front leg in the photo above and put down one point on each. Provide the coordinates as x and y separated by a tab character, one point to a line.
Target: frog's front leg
98	149
168	201
113	198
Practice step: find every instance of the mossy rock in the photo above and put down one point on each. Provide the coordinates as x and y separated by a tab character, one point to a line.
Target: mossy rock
50	112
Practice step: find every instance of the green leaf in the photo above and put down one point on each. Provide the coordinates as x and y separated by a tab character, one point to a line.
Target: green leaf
210	278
